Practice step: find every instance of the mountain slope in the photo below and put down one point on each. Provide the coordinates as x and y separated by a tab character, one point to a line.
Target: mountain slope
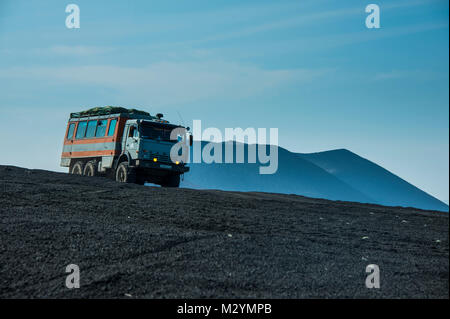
371	179
335	175
294	176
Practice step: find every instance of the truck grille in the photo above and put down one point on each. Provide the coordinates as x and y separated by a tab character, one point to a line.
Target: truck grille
164	158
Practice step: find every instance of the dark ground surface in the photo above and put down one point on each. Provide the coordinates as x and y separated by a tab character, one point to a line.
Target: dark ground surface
146	242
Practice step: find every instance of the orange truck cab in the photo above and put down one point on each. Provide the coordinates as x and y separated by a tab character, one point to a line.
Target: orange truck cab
128	145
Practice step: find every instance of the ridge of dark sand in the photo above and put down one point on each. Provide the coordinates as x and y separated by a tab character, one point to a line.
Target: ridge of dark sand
151	242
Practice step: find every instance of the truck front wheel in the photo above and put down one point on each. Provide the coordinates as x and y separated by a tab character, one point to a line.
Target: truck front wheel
125	173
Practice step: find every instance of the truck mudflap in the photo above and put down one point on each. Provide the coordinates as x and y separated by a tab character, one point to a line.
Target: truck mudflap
65	162
162	166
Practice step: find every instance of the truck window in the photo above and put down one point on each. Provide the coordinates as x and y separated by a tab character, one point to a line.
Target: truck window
153	132
70	132
101	128
133	132
91	126
81	130
112	127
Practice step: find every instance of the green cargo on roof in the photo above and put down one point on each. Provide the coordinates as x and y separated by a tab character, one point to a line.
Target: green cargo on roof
106	110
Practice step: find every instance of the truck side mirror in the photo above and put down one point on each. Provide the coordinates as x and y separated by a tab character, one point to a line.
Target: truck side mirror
191	140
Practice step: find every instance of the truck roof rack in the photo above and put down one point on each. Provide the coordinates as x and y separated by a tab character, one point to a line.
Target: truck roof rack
108	110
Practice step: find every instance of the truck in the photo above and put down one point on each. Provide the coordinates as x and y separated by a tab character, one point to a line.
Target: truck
128	145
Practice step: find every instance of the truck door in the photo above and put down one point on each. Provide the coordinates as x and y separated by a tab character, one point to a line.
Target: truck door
68	143
132	140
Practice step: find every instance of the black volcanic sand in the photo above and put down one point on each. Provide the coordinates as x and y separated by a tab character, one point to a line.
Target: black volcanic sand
147	242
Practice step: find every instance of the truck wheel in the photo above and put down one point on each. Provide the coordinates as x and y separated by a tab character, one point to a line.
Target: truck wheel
125	173
90	169
171	181
77	168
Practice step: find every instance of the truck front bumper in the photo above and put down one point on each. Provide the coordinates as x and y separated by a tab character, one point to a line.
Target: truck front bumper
180	168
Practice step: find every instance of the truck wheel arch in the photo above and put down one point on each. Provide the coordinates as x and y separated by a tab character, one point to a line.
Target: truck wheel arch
125	157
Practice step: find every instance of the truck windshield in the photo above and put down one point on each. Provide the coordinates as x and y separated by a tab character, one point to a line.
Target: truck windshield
156	132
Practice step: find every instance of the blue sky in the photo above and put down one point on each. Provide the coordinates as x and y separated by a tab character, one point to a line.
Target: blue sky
309	67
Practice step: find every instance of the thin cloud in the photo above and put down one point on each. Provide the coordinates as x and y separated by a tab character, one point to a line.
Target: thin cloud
423	75
298	20
330	41
168	82
60	50
77	50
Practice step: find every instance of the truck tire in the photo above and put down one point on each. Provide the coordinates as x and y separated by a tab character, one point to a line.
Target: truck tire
125	173
90	169
171	181
77	168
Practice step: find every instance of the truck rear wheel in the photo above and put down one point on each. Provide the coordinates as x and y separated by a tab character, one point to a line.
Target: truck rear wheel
77	168
90	169
125	173
171	181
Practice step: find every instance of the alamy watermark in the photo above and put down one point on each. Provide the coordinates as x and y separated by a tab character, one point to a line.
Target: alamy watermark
258	145
73	279
373	279
373	19
73	19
